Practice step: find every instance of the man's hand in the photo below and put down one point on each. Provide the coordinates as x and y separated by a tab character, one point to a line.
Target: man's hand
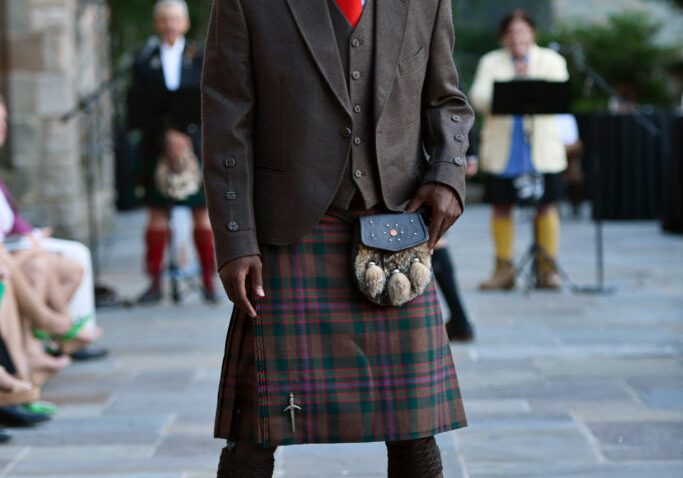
176	144
444	206
240	274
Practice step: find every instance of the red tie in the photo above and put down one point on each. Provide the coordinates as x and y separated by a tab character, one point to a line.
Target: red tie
351	9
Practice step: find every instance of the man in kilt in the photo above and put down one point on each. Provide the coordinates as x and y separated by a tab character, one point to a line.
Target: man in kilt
316	112
163	104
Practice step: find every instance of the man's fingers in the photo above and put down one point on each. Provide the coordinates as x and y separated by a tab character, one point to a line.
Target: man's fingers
256	277
434	229
446	225
416	203
242	300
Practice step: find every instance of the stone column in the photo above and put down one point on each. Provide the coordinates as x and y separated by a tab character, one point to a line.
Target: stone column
56	53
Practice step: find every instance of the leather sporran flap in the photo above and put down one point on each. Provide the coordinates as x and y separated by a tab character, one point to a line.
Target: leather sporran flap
391	260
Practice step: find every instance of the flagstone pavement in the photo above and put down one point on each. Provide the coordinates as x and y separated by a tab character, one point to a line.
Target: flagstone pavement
556	385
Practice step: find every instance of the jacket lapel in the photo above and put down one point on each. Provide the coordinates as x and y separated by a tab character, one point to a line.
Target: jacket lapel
155	68
188	73
391	16
313	20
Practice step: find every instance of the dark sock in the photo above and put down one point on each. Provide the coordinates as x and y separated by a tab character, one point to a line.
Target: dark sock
414	458
246	460
444	273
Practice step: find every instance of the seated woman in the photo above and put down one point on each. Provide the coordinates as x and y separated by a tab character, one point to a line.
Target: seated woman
43	300
68	288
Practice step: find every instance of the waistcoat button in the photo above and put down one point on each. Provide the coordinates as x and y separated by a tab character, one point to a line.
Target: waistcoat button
455	118
355	75
358	173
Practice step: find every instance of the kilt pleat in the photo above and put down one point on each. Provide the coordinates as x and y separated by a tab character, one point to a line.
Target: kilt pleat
360	372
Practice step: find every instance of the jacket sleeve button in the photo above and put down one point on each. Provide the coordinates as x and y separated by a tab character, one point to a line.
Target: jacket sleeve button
231	195
229	162
233	226
459	161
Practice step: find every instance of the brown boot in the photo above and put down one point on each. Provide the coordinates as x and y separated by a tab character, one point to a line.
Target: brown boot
548	278
503	277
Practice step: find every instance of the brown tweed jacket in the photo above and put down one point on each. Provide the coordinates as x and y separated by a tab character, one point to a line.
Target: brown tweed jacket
276	115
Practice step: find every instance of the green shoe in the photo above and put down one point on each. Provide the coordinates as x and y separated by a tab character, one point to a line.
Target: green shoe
41	407
70	335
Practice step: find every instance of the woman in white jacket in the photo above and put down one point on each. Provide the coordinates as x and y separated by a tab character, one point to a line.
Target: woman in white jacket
509	154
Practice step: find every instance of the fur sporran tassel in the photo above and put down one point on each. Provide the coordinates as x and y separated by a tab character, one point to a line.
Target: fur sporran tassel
390	260
420	276
375	280
398	288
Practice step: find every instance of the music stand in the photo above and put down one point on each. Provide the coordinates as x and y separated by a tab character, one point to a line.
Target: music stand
529	98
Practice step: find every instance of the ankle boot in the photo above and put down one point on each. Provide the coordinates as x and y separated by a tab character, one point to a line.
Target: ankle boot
503	277
547	277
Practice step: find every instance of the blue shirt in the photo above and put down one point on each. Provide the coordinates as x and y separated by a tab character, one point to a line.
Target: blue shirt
519	161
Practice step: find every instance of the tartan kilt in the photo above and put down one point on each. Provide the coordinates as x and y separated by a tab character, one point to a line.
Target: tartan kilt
359	372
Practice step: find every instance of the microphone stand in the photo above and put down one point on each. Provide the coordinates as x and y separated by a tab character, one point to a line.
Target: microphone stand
88	106
590	73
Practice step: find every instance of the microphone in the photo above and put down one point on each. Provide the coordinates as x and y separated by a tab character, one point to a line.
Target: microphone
574	53
560	48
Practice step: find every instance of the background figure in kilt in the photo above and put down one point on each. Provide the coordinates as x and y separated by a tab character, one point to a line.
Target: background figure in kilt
163	103
316	112
511	156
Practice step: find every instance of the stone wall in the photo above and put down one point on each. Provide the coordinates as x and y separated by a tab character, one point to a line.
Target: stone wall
56	52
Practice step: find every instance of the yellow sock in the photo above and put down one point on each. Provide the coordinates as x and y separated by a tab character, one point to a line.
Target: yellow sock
548	232
503	229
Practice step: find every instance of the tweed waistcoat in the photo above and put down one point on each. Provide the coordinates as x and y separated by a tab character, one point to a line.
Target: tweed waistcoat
357	52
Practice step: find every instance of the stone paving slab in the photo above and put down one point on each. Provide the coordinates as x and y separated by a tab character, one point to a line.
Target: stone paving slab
603	470
557	385
643	440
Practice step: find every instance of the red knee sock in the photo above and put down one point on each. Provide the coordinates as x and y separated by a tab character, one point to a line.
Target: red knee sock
203	239
156	240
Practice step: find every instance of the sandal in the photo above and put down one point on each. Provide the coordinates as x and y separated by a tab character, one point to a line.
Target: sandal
70	342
